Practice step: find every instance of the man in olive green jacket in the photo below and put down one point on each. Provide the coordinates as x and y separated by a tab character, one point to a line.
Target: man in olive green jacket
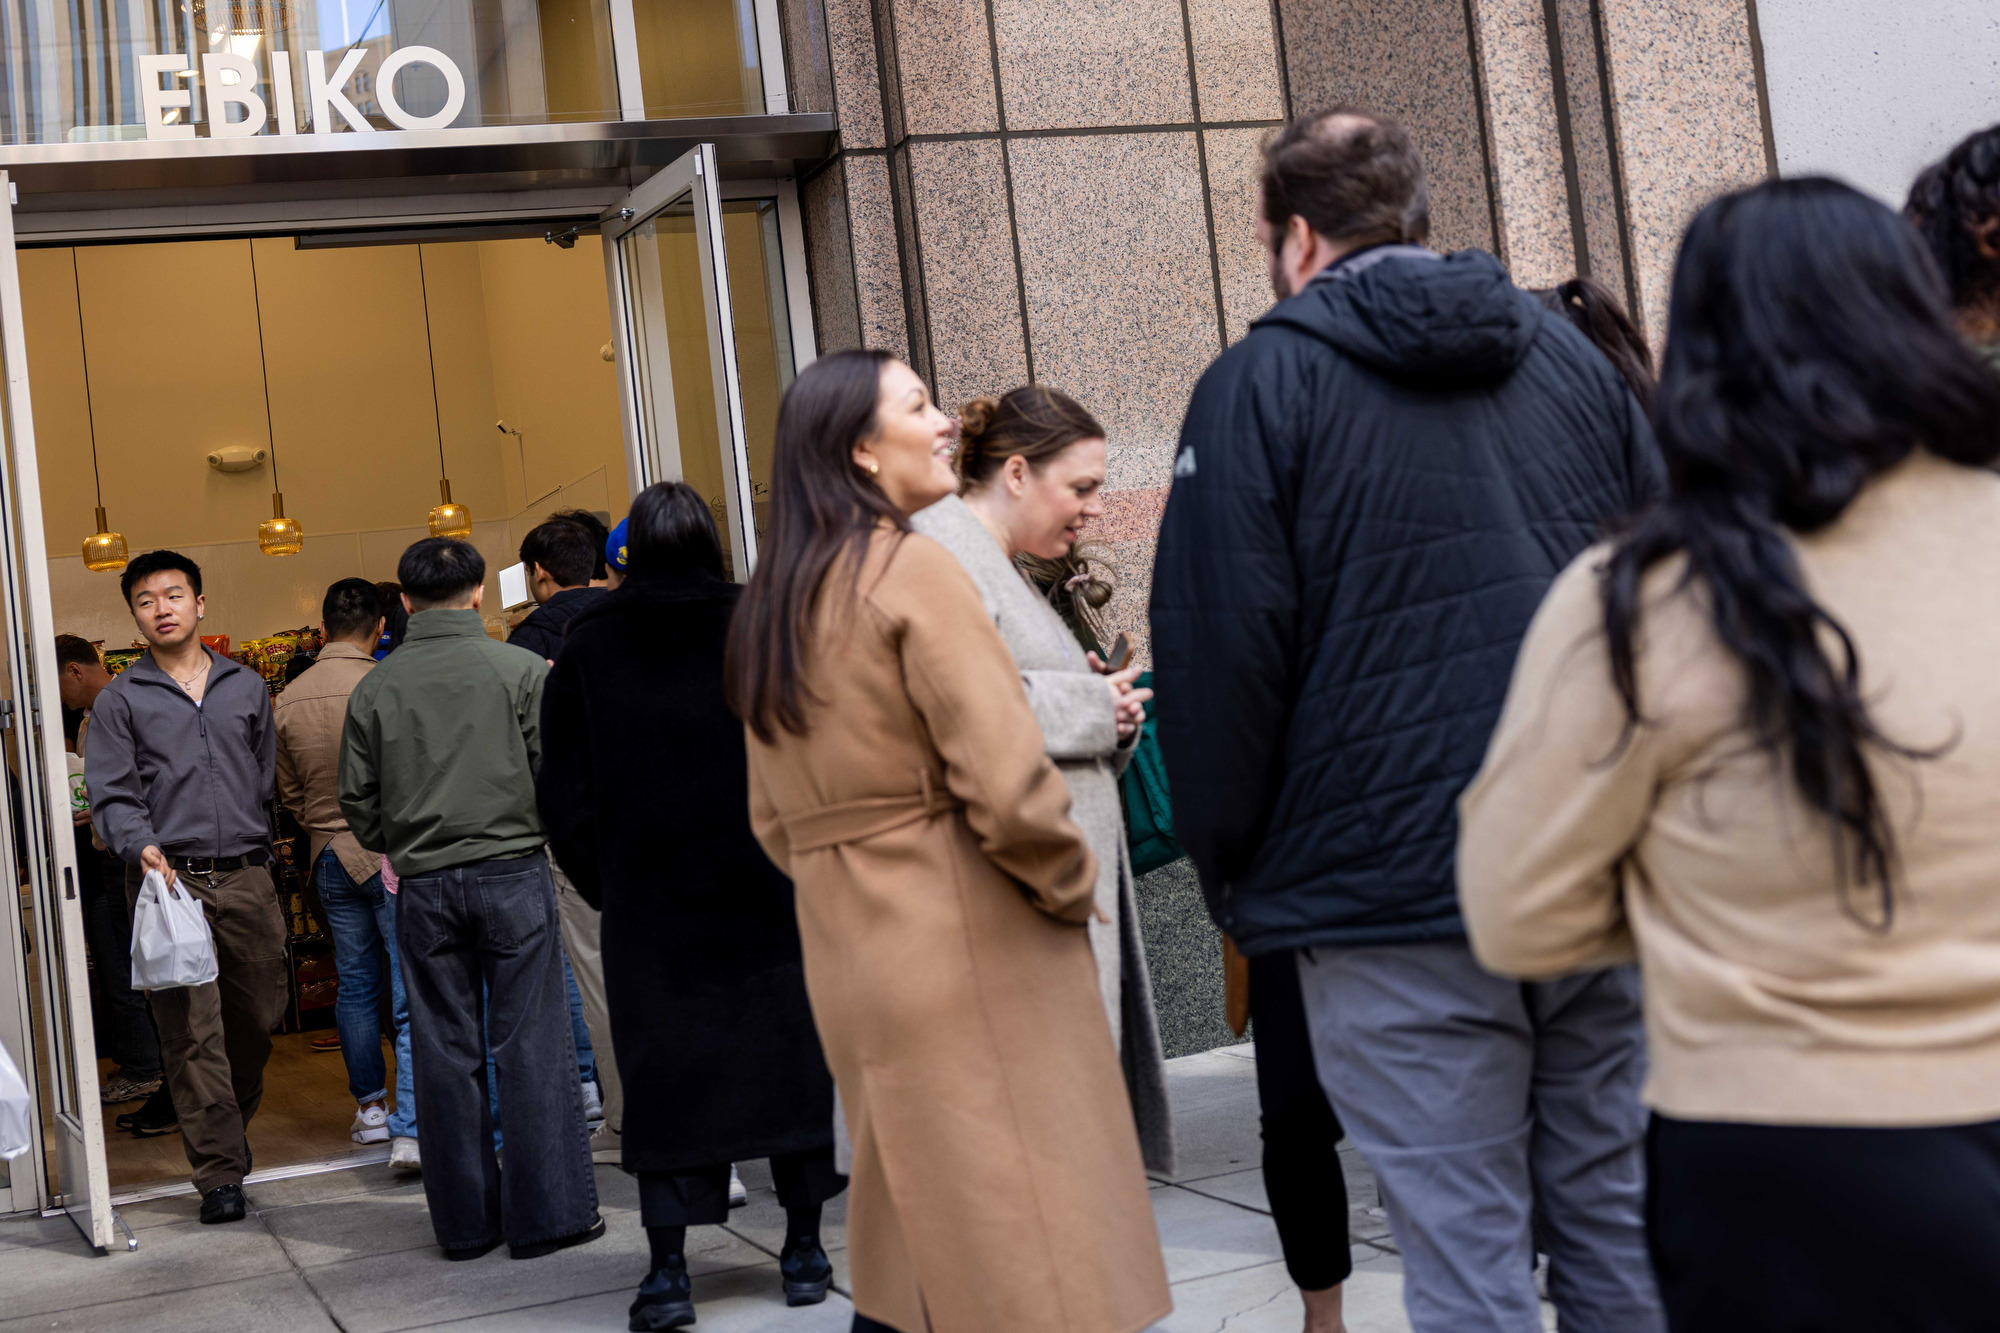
437	769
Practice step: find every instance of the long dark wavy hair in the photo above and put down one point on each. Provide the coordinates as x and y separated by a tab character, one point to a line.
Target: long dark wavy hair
823	509
1955	206
1810	348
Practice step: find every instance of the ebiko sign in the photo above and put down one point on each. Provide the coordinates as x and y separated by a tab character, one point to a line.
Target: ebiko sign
324	96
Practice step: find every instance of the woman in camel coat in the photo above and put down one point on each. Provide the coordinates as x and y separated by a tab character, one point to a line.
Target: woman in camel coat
897	775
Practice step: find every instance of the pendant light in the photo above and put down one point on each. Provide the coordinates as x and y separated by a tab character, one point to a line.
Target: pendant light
448	519
276	535
104	550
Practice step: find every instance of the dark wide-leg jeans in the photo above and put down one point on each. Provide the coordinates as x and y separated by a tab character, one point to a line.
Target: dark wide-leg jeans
494	922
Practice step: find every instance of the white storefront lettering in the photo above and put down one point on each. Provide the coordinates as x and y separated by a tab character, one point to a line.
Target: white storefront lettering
230	81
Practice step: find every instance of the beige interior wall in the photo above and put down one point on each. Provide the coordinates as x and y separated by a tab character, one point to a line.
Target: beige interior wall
546	325
174	372
690	59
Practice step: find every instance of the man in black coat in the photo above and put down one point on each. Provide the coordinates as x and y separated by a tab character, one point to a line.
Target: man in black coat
1373	491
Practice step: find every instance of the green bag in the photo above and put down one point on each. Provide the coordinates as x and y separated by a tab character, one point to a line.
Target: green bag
1149	807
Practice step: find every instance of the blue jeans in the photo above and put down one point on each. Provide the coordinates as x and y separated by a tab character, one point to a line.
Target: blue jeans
362	920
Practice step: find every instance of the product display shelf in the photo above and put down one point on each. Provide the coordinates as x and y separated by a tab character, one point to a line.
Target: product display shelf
312	982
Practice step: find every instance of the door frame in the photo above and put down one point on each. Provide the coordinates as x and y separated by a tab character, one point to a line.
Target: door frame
82	1189
693	175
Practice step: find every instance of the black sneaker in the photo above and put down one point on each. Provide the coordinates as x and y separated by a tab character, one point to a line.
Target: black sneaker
224	1203
153	1119
807	1272
666	1299
543	1247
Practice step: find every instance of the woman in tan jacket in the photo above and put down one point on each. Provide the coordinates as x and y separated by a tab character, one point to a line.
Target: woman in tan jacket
1756	741
898	776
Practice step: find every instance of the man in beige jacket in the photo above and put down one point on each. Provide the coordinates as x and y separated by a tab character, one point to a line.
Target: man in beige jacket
360	913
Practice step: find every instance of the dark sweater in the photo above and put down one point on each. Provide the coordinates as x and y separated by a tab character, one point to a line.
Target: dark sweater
542	632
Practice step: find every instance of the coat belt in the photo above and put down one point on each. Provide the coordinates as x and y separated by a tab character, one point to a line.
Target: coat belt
851	821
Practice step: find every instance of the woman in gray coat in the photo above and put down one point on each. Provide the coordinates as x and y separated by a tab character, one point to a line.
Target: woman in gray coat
1032	469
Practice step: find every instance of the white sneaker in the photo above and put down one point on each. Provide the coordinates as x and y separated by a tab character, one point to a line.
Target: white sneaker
371	1125
403	1155
593	1108
607	1147
738	1196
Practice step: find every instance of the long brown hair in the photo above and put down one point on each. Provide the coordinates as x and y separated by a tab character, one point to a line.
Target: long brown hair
1594	311
822	508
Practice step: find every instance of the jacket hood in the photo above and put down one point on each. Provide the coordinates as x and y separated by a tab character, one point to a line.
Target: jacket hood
1410	312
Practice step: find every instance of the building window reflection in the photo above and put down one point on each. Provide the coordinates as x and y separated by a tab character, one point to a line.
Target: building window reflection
70	70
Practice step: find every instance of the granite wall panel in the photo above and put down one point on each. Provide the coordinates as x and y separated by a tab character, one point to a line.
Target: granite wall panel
1604	242
944	66
1531	193
830	259
808	71
910	250
1121	297
1235	164
1091	63
1684	102
857	77
969	281
1236	60
878	275
1410	59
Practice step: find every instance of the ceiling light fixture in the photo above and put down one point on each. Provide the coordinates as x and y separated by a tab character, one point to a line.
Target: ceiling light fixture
448	519
276	535
104	550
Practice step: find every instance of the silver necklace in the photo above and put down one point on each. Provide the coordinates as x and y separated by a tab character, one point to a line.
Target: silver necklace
188	684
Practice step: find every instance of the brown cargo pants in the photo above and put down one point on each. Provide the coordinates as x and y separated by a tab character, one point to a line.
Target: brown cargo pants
215	1039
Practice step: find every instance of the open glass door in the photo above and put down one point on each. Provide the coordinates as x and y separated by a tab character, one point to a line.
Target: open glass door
35	834
673	329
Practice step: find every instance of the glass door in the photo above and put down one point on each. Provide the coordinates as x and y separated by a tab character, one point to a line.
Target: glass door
674	333
36	839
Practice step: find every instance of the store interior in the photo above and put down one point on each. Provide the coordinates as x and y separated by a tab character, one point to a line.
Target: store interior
178	385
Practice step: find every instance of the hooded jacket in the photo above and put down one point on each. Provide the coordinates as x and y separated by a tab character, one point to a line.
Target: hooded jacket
1373	491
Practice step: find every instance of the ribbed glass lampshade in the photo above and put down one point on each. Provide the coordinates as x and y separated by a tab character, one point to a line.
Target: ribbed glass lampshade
278	535
448	519
104	550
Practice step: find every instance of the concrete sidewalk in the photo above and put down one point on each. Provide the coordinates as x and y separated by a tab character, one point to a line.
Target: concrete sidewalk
352	1250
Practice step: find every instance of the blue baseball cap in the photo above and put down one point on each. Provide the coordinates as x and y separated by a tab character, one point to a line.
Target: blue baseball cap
614	547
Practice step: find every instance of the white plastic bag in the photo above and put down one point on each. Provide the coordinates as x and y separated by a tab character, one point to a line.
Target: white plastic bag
171	945
15	1137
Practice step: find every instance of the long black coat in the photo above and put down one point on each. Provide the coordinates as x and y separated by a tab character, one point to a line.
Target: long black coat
643	788
1374	490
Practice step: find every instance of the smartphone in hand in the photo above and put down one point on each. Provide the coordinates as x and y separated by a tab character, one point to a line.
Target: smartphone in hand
1120	656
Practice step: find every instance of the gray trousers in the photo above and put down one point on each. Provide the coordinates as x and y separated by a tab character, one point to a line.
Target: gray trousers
582	933
1499	1117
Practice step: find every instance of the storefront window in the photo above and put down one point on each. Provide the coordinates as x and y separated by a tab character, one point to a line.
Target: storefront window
699	57
85	71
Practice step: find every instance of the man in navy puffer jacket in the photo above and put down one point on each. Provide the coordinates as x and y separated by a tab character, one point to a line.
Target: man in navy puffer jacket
1374	490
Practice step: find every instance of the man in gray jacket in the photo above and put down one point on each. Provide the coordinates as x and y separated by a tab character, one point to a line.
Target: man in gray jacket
180	764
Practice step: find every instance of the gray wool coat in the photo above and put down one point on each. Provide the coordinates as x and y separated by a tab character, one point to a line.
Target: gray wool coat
1080	732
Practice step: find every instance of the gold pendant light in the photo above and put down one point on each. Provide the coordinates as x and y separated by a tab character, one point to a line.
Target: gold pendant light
448	519
276	535
104	550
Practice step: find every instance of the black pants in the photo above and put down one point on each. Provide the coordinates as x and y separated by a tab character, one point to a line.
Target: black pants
489	929
1302	1175
1800	1229
107	924
700	1197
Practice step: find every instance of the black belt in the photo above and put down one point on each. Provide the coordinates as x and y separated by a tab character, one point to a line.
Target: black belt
220	865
